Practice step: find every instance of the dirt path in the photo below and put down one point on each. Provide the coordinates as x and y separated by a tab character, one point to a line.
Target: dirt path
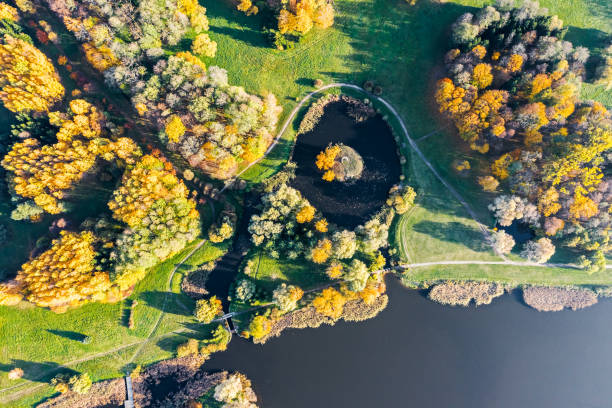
163	308
11	397
393	111
142	343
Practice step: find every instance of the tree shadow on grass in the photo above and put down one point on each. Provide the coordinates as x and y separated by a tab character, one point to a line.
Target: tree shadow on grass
171	343
37	371
454	232
67	334
250	30
169	302
401	49
248	36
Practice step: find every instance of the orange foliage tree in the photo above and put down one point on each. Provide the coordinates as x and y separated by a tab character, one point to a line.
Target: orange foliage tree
330	303
45	173
519	101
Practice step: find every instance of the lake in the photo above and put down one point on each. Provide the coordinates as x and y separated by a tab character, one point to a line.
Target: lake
417	353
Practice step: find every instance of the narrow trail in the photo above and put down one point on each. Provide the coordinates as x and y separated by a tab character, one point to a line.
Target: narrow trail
165	302
507	262
39	377
395	113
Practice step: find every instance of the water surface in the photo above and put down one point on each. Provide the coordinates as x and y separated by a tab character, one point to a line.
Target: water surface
417	353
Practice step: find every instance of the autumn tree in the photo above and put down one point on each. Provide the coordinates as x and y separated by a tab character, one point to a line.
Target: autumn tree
301	15
517	99
344	244
28	80
401	198
207	309
160	216
259	327
203	45
538	251
322	251
64	275
45	173
501	241
356	275
286	296
330	303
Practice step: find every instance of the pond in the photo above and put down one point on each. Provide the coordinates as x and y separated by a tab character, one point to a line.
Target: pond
417	353
349	203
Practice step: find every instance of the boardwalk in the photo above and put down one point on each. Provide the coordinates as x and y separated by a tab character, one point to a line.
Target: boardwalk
129	402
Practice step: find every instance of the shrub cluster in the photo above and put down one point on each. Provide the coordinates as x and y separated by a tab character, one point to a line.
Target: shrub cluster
512	90
462	293
213	125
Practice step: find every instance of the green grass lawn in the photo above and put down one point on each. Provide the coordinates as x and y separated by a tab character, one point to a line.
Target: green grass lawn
397	46
38	340
400	48
272	272
509	274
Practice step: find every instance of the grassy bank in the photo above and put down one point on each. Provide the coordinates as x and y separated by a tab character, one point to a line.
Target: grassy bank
511	274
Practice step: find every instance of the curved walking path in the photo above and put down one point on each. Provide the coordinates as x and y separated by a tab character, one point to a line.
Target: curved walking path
142	342
397	116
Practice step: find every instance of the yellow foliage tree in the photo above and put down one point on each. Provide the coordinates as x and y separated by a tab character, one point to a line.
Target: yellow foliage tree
321	225
175	129
330	303
247	7
482	76
45	173
28	79
515	63
203	45
548	202
100	57
64	275
488	183
334	271
8	13
306	214
301	15
583	206
259	327
141	187
322	251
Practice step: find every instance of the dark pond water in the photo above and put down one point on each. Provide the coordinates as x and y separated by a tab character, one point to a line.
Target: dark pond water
520	232
347	204
417	353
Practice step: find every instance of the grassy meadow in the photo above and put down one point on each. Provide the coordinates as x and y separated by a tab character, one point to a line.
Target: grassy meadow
398	47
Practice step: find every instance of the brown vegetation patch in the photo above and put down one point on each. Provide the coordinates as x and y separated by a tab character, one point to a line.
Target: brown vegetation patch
546	299
103	394
194	284
184	372
356	109
462	293
354	310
